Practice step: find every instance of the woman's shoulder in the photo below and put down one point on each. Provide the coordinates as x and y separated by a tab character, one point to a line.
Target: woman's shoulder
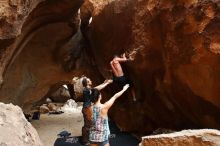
98	106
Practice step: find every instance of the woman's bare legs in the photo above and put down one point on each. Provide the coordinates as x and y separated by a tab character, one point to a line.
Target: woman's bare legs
107	144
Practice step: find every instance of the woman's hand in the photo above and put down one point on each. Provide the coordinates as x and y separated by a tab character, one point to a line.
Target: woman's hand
108	81
126	87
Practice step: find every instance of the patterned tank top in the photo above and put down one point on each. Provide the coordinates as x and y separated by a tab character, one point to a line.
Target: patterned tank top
99	131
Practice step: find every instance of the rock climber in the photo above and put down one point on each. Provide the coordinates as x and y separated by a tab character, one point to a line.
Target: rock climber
118	74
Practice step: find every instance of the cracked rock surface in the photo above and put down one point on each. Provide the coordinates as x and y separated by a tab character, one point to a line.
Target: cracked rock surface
15	129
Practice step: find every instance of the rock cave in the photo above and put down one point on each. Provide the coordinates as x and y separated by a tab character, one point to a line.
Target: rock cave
175	75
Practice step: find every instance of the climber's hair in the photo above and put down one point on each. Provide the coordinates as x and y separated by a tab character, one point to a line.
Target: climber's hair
95	95
84	82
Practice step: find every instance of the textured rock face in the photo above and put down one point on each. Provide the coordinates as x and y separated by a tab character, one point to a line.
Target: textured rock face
33	61
61	95
205	137
12	17
15	129
13	14
175	74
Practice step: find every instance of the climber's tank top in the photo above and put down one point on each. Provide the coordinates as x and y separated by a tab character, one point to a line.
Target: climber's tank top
99	131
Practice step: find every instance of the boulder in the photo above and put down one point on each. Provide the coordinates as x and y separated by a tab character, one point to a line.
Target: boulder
44	109
15	129
61	95
203	137
52	106
71	106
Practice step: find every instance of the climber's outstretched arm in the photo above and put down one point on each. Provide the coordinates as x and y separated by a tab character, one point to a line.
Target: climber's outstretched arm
122	59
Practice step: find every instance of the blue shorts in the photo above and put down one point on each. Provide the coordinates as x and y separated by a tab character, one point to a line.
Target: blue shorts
100	143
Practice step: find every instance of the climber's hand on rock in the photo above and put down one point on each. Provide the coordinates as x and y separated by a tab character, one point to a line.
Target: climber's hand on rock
123	55
131	58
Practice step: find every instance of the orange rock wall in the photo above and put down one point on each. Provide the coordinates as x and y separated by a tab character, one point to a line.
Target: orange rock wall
176	75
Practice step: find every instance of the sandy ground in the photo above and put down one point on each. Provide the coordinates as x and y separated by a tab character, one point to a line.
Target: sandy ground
50	125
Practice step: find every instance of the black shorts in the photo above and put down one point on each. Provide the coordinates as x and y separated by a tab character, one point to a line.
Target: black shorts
122	80
100	143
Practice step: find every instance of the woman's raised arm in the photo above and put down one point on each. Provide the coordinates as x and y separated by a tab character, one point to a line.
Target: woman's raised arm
110	102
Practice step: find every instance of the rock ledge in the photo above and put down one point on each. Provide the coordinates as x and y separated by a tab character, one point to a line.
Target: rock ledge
203	137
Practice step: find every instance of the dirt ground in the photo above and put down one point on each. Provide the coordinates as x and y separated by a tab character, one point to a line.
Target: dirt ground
50	125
